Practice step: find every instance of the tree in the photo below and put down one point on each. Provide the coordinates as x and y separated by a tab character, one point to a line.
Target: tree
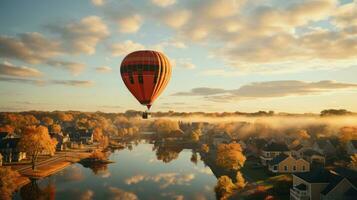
56	128
7	128
97	134
65	117
224	188
7	182
240	181
47	121
303	134
98	155
205	148
36	140
348	133
165	126
230	156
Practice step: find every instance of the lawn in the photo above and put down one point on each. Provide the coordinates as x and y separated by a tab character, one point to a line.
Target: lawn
254	174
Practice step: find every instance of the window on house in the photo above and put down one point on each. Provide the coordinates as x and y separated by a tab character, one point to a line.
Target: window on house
286	168
303	168
294	168
275	168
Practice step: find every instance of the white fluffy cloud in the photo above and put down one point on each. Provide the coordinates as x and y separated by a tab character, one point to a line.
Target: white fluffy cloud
74	67
130	24
29	47
82	36
268	90
103	69
120	49
9	69
163	3
98	2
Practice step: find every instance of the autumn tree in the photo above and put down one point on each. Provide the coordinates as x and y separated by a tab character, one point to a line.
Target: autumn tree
7	128
240	181
205	148
56	128
303	134
65	117
348	133
230	156
224	188
98	155
36	140
97	134
165	126
47	121
7	182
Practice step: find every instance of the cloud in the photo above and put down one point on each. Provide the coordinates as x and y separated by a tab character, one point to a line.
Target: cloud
29	47
9	69
130	24
87	195
176	18
74	67
268	89
120	49
185	64
98	2
74	83
119	194
82	36
163	3
103	69
164	179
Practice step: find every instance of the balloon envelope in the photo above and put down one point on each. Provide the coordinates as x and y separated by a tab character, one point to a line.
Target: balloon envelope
146	74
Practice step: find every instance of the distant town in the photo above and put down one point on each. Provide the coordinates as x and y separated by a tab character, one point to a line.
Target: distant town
262	155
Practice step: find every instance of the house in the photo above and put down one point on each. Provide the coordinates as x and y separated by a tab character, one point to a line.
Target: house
62	140
321	184
288	164
325	147
271	150
351	147
297	150
3	135
313	157
222	138
10	151
85	136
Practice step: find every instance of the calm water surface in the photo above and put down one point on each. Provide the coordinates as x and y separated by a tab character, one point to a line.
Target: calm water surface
136	174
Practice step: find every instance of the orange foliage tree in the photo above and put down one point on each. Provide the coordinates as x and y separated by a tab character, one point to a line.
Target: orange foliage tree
36	140
7	182
230	156
224	188
47	121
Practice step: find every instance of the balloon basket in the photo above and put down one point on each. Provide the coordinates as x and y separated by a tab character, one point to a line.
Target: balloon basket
146	115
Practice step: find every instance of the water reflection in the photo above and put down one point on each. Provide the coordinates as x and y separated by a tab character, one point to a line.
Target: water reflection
34	191
147	171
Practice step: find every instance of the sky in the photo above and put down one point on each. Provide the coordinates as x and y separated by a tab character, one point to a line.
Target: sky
296	56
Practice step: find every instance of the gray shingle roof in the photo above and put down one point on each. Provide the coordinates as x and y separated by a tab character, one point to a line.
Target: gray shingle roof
275	147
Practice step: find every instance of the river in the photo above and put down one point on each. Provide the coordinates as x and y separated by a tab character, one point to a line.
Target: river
138	173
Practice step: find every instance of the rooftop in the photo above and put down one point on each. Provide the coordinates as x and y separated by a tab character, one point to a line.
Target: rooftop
277	159
275	147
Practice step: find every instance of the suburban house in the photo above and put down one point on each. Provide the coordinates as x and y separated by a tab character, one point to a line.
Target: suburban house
284	163
325	147
351	147
325	185
3	135
10	151
85	136
313	157
222	138
297	150
62	140
271	150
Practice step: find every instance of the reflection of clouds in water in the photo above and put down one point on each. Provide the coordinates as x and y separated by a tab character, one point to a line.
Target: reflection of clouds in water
106	174
153	160
119	194
72	173
87	195
199	196
166	179
205	170
208	188
172	195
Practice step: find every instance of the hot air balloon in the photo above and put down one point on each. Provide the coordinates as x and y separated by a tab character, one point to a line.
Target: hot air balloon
146	74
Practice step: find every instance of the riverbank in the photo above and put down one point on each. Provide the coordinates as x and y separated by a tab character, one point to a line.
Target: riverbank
49	166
